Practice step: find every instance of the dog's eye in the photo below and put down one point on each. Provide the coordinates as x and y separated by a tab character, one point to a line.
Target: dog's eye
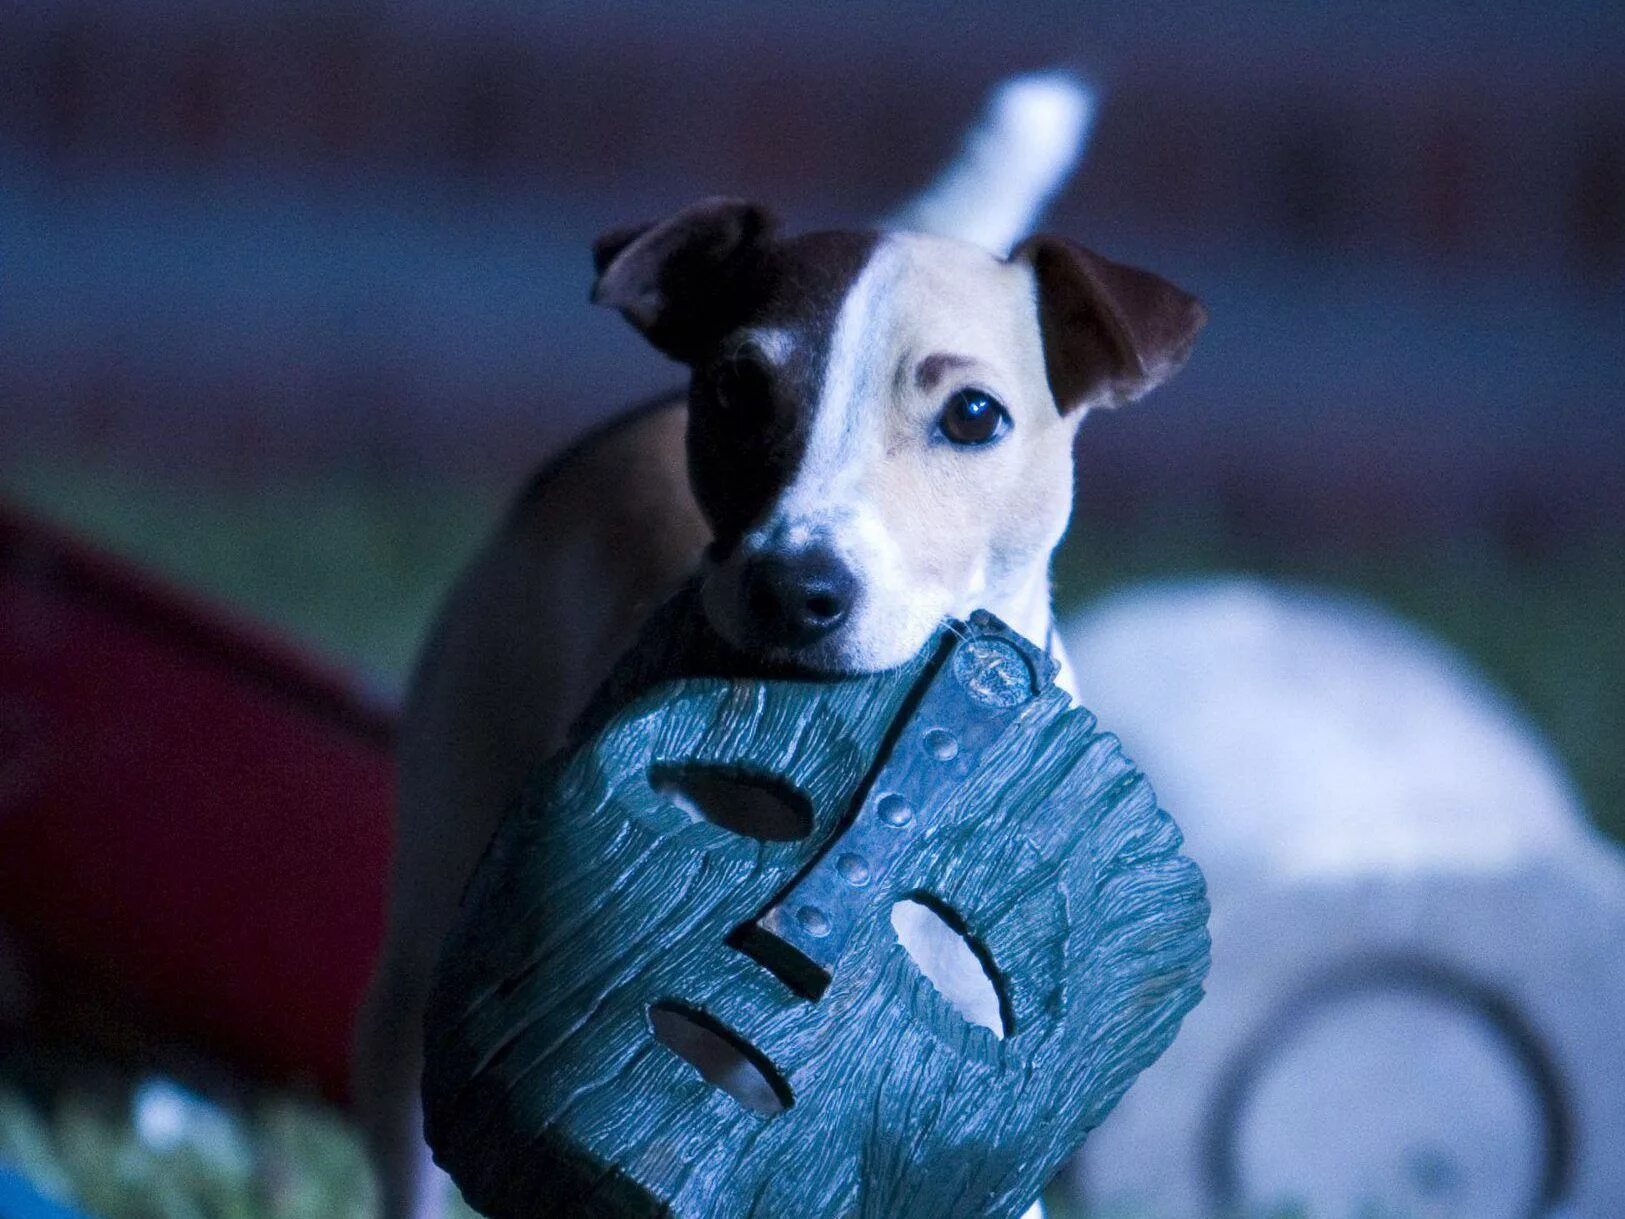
742	384
972	417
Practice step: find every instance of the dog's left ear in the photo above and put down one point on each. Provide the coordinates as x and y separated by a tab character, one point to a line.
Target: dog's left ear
1111	333
678	280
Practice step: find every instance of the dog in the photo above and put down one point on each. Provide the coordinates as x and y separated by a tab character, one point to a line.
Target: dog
877	433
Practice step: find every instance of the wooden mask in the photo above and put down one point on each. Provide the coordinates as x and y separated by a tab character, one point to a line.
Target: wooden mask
631	928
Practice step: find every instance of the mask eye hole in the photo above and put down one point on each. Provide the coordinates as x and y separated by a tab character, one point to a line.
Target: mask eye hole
754	806
956	965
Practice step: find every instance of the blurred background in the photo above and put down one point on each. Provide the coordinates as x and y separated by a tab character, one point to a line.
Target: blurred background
293	295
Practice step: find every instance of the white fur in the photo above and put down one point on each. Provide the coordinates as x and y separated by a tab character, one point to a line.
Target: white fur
1026	144
830	497
831	468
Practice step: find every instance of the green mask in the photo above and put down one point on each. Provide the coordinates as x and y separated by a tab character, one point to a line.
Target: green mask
639	924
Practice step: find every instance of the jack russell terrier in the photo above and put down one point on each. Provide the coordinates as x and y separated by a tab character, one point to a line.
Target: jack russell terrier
877	432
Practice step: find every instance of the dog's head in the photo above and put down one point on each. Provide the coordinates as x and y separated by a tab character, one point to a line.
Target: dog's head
881	425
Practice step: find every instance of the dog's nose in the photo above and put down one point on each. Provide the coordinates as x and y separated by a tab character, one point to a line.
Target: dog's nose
796	599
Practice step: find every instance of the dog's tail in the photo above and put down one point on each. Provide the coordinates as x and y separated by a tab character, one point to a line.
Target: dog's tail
1022	149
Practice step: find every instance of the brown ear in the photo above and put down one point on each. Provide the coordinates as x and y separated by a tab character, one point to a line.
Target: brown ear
677	280
1111	333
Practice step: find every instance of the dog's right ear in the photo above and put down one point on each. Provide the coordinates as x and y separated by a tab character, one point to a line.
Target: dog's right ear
1112	333
678	280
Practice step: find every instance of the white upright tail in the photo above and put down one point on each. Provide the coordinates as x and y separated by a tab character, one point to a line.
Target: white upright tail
1026	144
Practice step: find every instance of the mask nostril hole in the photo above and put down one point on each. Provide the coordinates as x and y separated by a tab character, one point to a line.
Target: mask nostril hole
955	965
724	1059
755	806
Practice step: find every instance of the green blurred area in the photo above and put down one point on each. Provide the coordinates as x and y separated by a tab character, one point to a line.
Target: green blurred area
271	1158
277	1159
355	570
351	569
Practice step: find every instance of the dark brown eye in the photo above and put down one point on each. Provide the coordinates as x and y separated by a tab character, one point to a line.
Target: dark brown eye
742	385
972	417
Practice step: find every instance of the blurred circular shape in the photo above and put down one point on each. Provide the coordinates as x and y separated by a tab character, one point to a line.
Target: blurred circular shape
1469	1120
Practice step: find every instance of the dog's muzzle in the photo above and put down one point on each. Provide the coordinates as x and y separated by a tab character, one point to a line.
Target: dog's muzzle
792	600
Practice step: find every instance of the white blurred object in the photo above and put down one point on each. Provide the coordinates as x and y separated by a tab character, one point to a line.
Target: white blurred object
1418	942
1315	736
168	1118
1020	152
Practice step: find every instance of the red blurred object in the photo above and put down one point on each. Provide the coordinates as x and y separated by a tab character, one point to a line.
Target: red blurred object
194	817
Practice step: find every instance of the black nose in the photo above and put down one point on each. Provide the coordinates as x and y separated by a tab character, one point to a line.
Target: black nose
793	600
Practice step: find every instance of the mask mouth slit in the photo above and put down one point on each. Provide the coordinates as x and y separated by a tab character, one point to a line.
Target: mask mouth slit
724	1059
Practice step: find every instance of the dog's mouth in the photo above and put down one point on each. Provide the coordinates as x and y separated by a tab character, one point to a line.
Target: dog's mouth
827	659
867	640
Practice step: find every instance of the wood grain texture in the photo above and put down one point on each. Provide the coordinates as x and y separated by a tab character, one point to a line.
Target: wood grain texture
545	1092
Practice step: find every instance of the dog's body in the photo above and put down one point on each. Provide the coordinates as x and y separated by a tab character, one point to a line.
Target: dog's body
517	650
878	432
